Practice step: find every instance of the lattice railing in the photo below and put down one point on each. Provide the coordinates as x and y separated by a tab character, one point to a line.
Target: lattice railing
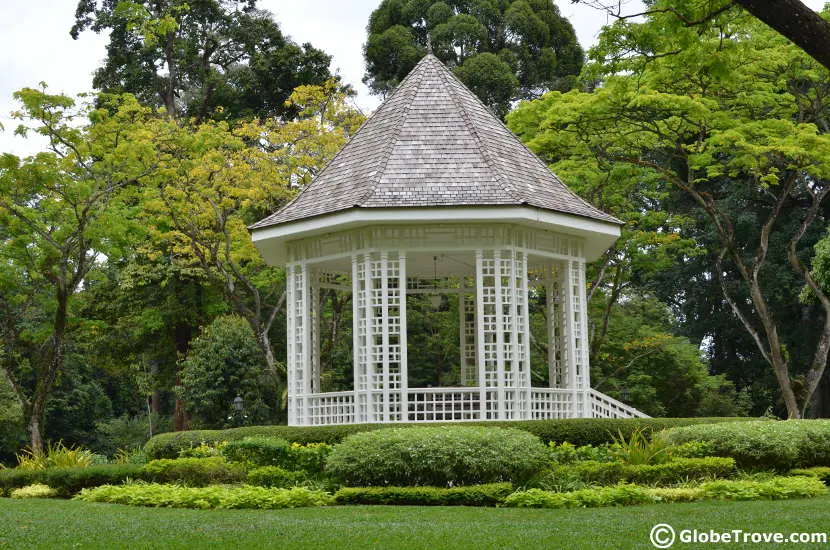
603	406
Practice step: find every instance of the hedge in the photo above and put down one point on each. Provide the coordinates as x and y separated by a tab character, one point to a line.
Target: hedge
473	495
780	445
438	456
174	496
68	481
274	451
195	472
578	431
678	470
776	488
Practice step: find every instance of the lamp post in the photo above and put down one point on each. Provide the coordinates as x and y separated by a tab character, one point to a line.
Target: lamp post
625	393
238	403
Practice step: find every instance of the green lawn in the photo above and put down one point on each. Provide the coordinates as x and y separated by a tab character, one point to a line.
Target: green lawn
70	524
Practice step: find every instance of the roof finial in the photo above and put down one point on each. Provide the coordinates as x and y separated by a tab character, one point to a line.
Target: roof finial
429	45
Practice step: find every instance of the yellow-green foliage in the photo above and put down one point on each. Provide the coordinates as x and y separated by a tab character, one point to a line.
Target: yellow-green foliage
36	490
774	488
55	456
174	496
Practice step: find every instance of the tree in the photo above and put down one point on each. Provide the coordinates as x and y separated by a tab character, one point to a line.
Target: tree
204	59
225	362
502	50
60	216
791	18
734	111
211	180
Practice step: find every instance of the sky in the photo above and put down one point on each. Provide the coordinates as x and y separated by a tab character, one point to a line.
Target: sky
35	46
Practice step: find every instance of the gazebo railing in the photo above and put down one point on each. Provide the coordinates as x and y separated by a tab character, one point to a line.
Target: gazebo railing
458	404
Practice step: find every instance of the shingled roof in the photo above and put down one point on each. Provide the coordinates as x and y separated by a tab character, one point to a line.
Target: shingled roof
432	143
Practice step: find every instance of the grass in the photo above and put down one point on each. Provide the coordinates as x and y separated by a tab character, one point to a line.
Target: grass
38	523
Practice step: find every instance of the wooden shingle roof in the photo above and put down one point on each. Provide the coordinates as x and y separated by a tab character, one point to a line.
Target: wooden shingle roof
432	143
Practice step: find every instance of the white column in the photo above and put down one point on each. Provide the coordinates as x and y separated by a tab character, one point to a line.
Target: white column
306	336
525	336
315	331
368	322
557	346
384	333
403	338
501	380
571	327
358	341
482	355
581	343
291	342
462	333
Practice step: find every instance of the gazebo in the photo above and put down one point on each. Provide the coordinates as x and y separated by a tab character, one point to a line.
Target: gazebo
434	195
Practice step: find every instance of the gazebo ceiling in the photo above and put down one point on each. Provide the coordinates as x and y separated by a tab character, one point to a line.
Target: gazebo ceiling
433	151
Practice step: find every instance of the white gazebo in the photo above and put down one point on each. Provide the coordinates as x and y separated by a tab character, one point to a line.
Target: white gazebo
433	195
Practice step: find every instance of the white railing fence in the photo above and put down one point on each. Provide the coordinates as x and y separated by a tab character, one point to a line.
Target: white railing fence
465	404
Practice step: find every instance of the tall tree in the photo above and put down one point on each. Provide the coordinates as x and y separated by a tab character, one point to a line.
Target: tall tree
59	217
502	50
212	180
734	111
203	58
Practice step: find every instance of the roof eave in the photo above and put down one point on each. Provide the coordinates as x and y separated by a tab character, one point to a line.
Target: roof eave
599	234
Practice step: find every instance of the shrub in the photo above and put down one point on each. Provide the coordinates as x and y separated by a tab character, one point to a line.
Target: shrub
37	490
196	472
767	444
125	432
473	495
258	451
641	447
68	481
818	472
578	431
274	476
679	470
776	488
174	496
437	456
204	450
568	453
584	498
56	455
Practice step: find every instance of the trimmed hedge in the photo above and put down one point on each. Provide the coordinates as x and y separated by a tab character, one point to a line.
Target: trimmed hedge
473	495
436	456
274	476
776	488
68	481
780	445
196	472
578	431
818	472
610	473
173	496
273	451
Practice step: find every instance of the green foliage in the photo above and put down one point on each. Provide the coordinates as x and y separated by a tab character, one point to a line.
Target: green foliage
764	444
259	451
195	472
68	481
12	425
223	362
617	495
502	51
679	470
36	490
473	495
437	456
641	448
55	455
208	59
274	476
819	472
568	453
204	498
123	432
578	431
776	488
